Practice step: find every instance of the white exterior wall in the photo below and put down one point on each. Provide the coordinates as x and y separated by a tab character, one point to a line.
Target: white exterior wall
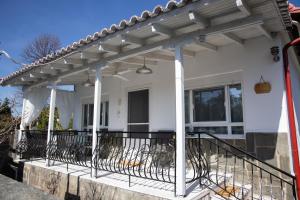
230	64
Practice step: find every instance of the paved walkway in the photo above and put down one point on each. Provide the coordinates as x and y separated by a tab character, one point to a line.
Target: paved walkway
13	190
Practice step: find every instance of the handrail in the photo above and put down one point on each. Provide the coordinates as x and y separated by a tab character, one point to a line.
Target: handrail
244	152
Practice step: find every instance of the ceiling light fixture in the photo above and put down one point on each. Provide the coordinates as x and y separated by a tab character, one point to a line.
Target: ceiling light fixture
144	69
88	82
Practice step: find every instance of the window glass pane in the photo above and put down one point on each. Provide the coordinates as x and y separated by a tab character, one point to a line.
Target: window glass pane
237	130
85	113
106	113
187	106
209	104
212	130
91	114
236	105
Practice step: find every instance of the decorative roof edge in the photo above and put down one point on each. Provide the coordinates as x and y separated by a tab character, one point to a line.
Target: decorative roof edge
123	24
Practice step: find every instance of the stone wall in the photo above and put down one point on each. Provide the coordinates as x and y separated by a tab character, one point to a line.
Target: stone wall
272	148
72	187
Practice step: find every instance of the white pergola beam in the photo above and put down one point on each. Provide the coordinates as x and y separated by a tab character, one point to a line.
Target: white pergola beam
75	61
109	48
161	30
243	7
206	45
90	55
139	61
234	38
61	66
186	38
158	56
265	31
132	40
198	19
188	53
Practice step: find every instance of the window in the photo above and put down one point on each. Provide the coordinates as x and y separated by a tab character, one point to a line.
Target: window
209	105
88	115
218	110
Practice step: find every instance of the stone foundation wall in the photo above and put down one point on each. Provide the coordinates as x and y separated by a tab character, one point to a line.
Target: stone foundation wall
66	186
272	148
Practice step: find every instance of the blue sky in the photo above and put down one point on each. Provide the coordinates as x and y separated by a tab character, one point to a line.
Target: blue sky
70	20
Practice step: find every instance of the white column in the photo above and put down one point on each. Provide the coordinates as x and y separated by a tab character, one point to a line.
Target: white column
180	122
22	124
51	118
96	118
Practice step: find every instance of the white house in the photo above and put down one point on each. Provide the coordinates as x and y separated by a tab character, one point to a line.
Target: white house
211	66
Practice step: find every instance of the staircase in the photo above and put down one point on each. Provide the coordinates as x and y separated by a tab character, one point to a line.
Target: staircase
232	173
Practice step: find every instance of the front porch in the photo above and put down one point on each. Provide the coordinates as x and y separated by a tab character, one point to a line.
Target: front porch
147	165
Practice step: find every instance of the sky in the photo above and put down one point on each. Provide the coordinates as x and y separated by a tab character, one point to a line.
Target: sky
70	20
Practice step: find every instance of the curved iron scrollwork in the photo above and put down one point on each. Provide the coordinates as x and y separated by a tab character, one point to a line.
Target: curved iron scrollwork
32	144
70	147
197	164
150	158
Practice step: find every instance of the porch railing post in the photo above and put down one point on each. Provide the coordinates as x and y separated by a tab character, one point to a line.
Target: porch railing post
180	122
96	119
51	120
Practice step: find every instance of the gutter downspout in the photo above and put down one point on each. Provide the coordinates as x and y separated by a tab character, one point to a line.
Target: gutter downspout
290	105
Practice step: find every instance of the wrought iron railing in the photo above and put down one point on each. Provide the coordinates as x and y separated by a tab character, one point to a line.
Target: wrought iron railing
148	155
32	144
216	164
71	147
236	174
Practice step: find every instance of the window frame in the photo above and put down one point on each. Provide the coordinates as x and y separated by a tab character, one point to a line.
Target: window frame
190	126
104	119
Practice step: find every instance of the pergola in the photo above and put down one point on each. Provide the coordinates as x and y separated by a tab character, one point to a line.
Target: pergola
168	33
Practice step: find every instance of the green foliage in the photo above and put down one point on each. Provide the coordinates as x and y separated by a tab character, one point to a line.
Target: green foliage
41	123
5	108
71	122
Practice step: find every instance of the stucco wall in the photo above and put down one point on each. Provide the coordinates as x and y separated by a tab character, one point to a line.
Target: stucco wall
262	113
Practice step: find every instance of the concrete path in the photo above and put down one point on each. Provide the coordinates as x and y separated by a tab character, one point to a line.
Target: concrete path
13	190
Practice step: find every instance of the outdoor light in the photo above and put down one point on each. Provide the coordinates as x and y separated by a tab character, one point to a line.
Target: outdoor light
88	82
144	69
275	53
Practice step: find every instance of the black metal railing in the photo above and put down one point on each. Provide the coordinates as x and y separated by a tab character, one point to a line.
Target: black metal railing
236	174
71	147
148	155
32	144
228	171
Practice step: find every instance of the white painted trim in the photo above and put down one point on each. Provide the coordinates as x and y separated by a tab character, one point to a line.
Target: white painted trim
227	122
180	122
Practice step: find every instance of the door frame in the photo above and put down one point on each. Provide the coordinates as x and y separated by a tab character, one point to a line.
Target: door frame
138	88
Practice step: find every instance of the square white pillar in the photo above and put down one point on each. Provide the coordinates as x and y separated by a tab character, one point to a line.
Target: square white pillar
23	115
180	122
51	119
96	118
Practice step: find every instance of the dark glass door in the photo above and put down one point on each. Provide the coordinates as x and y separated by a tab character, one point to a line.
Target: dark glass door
138	112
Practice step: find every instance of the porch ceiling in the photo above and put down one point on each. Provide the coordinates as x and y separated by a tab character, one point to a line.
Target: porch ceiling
199	25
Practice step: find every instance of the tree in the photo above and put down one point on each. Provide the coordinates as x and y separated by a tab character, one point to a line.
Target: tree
8	122
40	47
41	123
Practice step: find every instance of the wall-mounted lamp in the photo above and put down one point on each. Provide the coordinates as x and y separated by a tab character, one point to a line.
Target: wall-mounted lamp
275	53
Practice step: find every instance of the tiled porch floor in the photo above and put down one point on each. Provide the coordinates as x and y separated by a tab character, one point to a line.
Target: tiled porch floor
141	185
